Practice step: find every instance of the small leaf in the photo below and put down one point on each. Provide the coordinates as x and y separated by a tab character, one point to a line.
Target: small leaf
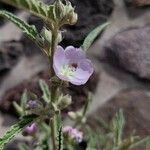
92	36
118	125
29	30
18	108
46	92
15	129
24	99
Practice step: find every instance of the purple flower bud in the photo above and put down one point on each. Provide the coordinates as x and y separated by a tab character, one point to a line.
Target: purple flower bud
31	129
73	133
32	104
72	65
67	129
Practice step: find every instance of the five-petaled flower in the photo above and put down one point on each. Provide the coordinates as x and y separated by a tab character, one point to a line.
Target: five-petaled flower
72	65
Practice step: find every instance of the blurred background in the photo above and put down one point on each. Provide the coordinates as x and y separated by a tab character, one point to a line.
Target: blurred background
121	57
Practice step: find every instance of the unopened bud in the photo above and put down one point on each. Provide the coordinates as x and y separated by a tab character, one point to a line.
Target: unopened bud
59	9
59	38
30	130
44	40
72	115
64	101
73	17
47	35
32	104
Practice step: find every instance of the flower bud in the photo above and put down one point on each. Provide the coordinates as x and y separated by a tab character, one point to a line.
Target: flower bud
64	101
46	34
32	104
59	9
59	38
73	17
44	40
73	134
30	130
64	13
72	115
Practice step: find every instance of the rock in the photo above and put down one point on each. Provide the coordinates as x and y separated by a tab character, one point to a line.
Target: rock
129	50
135	104
10	52
138	3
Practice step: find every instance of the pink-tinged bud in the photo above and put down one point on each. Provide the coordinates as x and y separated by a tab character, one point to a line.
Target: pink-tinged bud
32	104
31	129
73	134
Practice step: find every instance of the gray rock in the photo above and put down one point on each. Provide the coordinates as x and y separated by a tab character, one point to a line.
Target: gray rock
10	52
130	50
137	2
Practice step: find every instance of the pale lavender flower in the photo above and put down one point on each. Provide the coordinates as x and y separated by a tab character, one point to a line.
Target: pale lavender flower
31	129
73	133
72	65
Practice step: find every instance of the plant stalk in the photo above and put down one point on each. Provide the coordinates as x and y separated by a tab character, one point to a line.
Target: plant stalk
53	88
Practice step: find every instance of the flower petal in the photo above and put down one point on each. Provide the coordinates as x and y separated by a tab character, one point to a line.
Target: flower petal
80	77
59	57
86	65
59	60
74	54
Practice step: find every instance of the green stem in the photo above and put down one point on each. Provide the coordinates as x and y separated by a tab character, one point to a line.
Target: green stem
53	88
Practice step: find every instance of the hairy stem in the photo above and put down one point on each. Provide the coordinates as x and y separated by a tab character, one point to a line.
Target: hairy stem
53	88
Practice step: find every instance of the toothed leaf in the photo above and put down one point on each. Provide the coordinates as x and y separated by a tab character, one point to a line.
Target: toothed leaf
29	30
15	129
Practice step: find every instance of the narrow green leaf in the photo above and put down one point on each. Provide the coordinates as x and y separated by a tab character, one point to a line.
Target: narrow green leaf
118	125
36	7
92	36
15	129
18	108
45	89
24	99
29	30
